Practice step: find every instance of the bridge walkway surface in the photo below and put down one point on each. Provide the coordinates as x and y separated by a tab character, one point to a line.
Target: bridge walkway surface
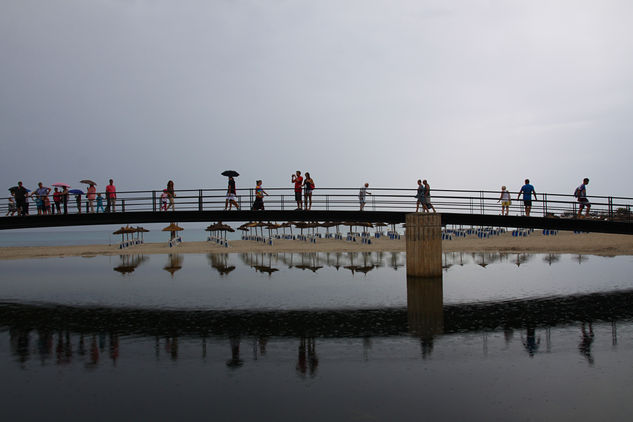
390	217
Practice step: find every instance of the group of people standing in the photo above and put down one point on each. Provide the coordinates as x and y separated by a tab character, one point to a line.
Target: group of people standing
19	201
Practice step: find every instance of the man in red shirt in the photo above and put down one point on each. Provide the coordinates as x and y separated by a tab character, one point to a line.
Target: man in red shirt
298	181
110	197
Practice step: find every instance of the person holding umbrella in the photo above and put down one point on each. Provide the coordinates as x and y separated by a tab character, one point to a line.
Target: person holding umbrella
231	195
91	195
77	193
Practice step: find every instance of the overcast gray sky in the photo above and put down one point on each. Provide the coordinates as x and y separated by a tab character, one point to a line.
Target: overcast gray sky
467	94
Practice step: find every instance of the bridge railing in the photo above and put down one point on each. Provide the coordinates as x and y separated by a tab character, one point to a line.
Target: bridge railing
380	199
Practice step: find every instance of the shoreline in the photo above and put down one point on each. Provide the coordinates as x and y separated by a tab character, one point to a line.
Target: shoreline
562	243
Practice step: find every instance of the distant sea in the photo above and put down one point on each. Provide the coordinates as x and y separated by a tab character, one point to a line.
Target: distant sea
97	235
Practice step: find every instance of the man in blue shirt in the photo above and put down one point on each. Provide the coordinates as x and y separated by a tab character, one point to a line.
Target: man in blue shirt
527	190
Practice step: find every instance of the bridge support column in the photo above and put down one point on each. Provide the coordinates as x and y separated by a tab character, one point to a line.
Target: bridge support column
425	307
424	245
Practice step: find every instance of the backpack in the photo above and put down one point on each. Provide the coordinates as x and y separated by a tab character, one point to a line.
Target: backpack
578	191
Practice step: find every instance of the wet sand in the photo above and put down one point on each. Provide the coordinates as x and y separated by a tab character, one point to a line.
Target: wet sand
564	242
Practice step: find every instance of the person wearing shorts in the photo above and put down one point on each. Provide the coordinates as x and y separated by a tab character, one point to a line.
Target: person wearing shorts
581	194
505	201
427	196
308	185
298	181
362	194
527	190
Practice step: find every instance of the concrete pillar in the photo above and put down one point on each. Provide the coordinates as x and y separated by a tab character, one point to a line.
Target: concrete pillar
424	245
425	306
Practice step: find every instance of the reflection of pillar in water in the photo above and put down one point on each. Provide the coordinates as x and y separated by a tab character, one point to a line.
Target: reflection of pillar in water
424	245
425	309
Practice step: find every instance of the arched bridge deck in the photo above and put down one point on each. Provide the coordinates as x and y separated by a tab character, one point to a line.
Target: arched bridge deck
391	217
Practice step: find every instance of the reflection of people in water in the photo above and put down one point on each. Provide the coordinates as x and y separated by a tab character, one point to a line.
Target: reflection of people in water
235	361
171	346
531	342
64	349
585	343
20	343
307	359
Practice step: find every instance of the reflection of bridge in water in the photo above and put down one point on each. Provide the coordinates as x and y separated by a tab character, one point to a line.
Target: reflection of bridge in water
84	331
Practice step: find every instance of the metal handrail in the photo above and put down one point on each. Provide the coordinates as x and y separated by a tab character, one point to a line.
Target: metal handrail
346	198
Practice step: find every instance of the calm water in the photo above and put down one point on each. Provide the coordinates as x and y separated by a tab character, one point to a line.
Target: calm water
317	337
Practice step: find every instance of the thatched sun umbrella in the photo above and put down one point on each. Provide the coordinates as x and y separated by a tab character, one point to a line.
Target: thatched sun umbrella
172	228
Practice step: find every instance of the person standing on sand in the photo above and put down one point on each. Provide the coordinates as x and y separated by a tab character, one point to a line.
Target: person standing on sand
231	195
298	181
110	192
362	194
505	201
527	190
420	196
581	194
427	196
308	185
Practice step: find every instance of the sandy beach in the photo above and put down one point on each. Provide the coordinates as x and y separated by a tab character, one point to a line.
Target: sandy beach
564	242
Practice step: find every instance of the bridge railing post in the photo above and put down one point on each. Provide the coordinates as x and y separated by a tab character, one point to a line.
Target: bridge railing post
327	202
544	204
610	201
282	202
154	201
481	202
122	205
200	200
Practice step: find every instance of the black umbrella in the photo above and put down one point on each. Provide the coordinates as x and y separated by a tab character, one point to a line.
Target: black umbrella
230	173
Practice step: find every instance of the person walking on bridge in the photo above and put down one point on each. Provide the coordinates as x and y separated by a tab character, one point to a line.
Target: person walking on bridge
171	194
427	196
527	190
110	192
420	196
231	195
581	194
362	194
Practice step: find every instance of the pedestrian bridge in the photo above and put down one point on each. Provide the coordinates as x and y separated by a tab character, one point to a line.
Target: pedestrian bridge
609	214
390	217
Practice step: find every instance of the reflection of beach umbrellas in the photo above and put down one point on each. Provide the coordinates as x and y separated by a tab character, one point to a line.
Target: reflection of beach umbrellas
230	173
76	192
87	182
61	185
174	264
